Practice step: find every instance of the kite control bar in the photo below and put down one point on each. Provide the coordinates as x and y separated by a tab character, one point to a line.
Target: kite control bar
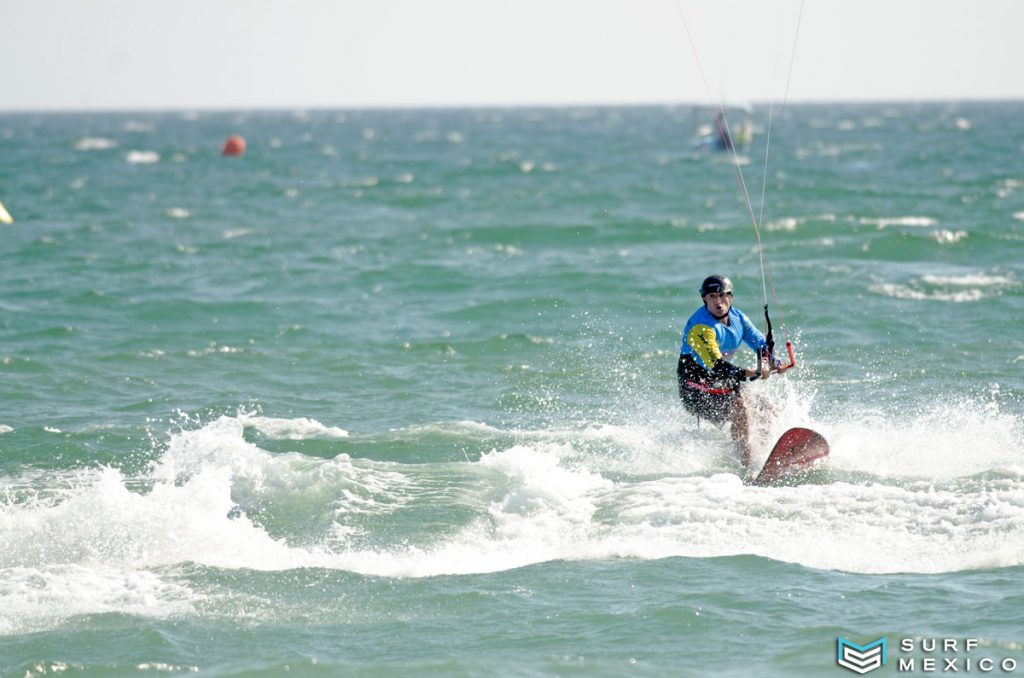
768	353
792	358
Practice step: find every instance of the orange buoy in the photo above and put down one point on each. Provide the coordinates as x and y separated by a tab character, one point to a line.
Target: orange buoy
235	145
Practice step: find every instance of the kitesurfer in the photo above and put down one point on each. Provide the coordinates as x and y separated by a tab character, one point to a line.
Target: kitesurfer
722	136
709	384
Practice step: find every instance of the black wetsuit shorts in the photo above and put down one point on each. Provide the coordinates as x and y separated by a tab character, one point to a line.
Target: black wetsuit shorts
702	397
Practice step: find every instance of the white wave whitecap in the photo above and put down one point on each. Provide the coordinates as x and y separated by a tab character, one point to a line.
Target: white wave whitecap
939	491
300	428
885	222
967	287
142	157
95	144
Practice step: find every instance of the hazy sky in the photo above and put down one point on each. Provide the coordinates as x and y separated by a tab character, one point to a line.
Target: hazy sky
199	54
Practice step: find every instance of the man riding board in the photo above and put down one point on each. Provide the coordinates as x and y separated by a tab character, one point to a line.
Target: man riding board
709	384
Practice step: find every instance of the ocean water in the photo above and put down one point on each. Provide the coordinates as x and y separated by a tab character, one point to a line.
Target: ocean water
394	393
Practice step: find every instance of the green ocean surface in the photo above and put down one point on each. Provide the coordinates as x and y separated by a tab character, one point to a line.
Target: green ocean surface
394	393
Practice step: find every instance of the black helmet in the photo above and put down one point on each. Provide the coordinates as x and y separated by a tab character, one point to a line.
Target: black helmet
715	283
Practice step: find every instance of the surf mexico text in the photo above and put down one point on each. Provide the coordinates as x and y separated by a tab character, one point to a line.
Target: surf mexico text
949	655
925	655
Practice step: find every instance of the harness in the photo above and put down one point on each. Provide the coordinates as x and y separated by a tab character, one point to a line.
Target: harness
707	389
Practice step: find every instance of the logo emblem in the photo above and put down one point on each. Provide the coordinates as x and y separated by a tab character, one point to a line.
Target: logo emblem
860	658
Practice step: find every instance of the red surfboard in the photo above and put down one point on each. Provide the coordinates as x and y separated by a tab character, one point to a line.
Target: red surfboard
796	450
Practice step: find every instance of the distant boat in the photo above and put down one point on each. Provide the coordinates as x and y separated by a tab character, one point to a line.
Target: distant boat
719	136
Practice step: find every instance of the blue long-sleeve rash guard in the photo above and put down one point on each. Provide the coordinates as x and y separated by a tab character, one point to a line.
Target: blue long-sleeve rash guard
711	343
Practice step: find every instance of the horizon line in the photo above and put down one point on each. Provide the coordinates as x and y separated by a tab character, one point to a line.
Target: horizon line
71	110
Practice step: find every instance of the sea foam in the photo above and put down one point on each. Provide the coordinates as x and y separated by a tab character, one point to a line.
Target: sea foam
932	490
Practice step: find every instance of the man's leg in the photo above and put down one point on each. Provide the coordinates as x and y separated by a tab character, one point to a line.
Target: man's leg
740	430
